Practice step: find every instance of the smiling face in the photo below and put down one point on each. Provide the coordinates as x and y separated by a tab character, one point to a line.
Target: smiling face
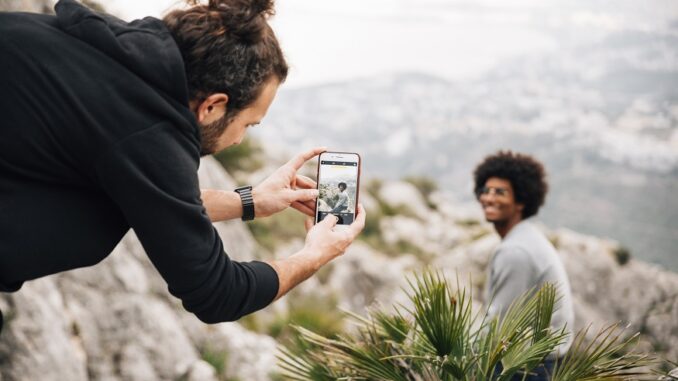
498	201
219	131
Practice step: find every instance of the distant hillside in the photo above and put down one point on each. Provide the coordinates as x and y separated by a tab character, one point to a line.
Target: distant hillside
603	117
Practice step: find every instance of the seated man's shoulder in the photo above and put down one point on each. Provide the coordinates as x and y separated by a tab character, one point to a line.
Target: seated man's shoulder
514	253
538	255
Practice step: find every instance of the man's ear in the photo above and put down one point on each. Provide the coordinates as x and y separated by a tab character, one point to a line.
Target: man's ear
212	108
520	207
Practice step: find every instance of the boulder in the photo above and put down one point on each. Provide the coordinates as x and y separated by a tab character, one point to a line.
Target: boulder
37	340
363	276
404	195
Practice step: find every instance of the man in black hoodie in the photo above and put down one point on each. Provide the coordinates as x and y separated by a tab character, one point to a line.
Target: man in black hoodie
102	126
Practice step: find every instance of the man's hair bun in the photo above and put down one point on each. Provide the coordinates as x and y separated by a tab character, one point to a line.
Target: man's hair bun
248	8
243	19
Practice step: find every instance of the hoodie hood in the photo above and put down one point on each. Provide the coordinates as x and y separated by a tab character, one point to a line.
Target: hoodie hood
145	47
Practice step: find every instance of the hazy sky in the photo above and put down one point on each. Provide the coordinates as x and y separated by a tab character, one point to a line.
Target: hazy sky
328	41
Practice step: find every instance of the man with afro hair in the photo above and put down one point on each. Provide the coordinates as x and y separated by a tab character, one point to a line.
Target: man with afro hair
511	187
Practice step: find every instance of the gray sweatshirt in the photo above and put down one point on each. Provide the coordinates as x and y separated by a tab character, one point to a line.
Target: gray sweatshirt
526	259
342	203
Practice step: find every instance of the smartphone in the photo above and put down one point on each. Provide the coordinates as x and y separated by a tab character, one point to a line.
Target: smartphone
338	187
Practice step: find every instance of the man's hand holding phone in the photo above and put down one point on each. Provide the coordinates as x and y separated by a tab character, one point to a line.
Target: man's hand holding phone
326	239
324	242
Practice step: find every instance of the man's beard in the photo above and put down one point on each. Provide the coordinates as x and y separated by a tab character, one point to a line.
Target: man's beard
210	134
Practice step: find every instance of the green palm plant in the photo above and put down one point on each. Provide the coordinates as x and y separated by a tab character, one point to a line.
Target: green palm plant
439	338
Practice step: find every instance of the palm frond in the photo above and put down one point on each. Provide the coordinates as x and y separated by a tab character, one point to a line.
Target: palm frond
440	339
598	360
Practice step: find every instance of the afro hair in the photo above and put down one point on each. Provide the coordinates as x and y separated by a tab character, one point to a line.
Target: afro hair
526	174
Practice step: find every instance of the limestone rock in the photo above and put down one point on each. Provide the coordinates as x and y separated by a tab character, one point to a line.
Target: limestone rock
432	237
468	264
362	276
200	371
247	355
403	194
36	341
117	321
250	356
35	6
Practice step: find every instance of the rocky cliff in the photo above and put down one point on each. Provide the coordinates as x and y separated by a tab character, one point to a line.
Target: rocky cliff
116	320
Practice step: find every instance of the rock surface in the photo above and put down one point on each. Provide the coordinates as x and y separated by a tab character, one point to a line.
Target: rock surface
36	6
116	320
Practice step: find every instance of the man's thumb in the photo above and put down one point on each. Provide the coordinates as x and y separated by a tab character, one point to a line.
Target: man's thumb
329	221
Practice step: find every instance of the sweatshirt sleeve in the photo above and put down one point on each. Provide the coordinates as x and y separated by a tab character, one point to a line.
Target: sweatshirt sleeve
510	277
152	176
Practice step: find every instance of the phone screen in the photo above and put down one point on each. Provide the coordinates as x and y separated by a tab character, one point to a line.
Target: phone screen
338	187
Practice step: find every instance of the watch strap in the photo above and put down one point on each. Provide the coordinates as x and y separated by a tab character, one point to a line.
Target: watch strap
247	202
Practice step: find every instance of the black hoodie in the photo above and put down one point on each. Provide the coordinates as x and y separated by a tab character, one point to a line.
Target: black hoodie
96	137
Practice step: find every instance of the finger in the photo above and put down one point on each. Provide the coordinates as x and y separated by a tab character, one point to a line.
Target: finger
306	204
303	208
359	223
308	223
329	221
309	203
305	182
299	160
303	195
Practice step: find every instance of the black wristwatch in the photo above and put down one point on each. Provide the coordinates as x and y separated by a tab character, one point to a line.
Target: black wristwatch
247	202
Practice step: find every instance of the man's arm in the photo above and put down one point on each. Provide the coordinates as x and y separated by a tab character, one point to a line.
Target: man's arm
152	177
284	188
322	244
221	205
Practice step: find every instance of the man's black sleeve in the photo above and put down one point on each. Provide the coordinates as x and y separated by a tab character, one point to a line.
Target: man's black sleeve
152	176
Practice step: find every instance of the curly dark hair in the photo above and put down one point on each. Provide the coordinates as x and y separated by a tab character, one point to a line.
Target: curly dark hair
342	184
526	174
228	47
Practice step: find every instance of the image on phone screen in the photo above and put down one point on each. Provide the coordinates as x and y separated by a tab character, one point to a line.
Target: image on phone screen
338	187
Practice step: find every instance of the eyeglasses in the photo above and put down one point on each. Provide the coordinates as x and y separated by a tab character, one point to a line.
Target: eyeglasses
496	191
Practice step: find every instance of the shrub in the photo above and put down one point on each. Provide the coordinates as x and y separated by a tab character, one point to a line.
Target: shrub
468	222
279	228
245	157
216	358
307	310
441	339
622	255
